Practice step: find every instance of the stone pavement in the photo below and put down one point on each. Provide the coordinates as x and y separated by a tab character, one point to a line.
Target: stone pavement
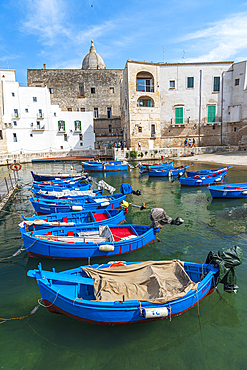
231	159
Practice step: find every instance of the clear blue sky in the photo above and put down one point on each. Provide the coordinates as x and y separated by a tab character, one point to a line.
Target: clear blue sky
58	32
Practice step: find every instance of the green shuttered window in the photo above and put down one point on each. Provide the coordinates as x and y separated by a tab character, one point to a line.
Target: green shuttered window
211	113
190	82
77	125
61	125
179	116
216	83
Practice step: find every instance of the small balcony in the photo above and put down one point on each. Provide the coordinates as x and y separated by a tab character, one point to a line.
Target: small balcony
40	115
15	116
38	128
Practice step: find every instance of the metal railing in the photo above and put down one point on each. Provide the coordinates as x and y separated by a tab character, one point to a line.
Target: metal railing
6	185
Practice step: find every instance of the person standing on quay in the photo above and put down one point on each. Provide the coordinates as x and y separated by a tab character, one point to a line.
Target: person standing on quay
193	142
139	145
185	142
189	142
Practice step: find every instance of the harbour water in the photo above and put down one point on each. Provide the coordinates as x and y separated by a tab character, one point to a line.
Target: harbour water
212	337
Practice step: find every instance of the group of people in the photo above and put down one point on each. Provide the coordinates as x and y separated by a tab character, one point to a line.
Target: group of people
189	143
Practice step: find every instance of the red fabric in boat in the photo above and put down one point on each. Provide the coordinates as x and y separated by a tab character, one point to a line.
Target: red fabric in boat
70	233
121	232
65	219
100	216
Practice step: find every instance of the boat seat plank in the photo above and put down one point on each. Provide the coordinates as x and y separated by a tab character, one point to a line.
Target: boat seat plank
68	278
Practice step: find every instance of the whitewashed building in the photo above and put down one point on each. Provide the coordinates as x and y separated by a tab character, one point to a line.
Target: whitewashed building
32	124
163	104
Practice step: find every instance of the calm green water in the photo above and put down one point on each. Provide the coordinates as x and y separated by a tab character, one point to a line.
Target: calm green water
51	341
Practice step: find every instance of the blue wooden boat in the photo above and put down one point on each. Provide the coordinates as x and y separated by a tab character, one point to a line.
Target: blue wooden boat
82	242
165	172
204	172
104	166
145	168
60	186
92	218
76	292
229	190
57	176
65	193
45	206
204	180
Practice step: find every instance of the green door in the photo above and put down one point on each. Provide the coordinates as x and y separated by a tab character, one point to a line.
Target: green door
211	113
179	120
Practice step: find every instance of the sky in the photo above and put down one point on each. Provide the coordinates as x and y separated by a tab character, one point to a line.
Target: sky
58	33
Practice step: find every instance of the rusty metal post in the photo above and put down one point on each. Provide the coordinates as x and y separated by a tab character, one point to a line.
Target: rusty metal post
6	182
11	181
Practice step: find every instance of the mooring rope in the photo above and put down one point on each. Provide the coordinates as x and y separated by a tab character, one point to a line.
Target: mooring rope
2	320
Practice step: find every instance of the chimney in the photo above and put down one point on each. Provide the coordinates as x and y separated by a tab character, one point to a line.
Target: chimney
44	66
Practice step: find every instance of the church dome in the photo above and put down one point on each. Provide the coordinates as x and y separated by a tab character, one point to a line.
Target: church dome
93	60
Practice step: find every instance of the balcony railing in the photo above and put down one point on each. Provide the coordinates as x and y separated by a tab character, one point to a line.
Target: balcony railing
40	115
38	128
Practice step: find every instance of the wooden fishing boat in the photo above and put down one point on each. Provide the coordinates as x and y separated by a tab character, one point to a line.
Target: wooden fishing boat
204	180
145	168
60	186
45	206
165	172
229	190
57	176
130	292
204	172
108	166
65	193
92	218
81	242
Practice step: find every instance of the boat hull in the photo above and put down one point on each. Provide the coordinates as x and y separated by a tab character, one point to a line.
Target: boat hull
167	172
203	181
52	177
231	191
111	166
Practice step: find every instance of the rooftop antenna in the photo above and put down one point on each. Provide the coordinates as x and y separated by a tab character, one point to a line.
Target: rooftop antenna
7	62
163	53
183	57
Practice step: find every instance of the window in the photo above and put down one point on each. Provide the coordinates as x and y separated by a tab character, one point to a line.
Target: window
55	114
179	119
81	144
139	129
61	147
13	94
80	137
145	103
31	135
81	90
38	125
235	129
213	127
216	84
111	90
172	84
190	82
144	82
61	125
77	125
16	113
26	110
69	109
110	129
236	81
15	123
65	136
152	130
109	112
14	137
96	113
211	113
34	99
40	113
1	134
82	109
51	91
92	90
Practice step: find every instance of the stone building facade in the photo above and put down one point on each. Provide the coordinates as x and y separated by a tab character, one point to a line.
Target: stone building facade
90	89
163	104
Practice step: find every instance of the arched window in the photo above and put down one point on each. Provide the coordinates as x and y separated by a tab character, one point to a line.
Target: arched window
145	101
144	82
